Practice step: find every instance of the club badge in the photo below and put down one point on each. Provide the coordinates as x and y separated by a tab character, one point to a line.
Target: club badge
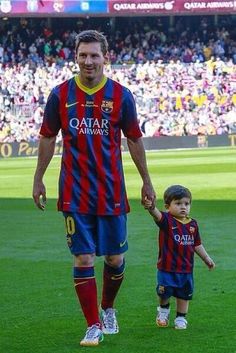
107	106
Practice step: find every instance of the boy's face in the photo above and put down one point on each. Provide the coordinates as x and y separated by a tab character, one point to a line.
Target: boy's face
179	208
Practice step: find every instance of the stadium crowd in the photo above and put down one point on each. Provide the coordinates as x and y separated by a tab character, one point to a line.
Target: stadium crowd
184	80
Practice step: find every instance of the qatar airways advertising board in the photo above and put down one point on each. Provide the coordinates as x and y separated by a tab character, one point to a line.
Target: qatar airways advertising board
52	7
171	7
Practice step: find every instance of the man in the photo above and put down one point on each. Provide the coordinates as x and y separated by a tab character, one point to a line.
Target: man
91	110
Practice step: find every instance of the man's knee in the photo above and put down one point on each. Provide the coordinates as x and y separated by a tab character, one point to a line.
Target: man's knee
114	260
84	260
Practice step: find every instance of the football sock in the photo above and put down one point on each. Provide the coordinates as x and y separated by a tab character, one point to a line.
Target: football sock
112	279
86	290
165	306
180	314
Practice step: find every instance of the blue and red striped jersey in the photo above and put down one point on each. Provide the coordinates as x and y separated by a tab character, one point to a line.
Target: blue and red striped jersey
177	242
91	120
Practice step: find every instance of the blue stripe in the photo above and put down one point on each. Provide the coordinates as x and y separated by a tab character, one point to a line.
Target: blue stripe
83	272
73	150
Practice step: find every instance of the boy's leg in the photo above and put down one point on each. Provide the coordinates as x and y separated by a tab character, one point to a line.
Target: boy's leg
183	296
181	312
163	312
164	293
182	306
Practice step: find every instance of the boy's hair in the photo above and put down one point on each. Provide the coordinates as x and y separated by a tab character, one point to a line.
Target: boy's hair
91	36
176	192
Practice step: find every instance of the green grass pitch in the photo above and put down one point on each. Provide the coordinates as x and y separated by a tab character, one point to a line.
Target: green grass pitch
39	309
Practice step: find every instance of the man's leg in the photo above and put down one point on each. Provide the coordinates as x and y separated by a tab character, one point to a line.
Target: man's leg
113	275
81	239
86	288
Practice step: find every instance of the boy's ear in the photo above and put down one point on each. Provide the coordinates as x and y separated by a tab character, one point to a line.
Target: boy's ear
167	206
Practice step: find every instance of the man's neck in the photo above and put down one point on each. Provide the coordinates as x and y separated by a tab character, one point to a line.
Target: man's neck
90	83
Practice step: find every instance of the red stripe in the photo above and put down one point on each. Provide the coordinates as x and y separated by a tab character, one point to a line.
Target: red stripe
115	116
170	247
180	251
83	156
67	158
188	259
97	141
189	254
160	254
190	251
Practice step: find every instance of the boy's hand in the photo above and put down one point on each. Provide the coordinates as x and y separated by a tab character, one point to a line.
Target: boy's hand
210	263
148	204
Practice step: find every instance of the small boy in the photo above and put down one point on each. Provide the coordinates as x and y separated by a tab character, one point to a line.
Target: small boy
179	238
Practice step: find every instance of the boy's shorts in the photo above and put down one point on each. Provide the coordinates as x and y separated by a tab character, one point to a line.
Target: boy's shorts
178	285
102	235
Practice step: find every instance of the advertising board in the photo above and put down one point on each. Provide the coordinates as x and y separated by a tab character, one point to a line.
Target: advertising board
52	7
171	7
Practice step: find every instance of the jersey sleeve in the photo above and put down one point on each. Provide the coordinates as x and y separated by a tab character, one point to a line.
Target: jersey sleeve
163	223
129	120
197	240
51	119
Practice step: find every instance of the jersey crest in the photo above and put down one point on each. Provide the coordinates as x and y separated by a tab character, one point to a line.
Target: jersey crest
107	106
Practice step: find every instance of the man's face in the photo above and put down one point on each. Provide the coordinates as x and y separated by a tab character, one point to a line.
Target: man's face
91	62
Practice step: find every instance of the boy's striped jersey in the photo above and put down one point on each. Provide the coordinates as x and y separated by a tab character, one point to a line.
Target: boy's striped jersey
177	242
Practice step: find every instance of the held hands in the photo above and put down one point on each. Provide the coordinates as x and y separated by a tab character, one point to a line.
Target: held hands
148	204
148	196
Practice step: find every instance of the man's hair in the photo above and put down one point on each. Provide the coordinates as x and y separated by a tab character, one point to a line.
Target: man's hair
91	36
176	192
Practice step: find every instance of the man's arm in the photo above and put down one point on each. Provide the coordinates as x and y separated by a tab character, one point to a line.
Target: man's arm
138	155
45	154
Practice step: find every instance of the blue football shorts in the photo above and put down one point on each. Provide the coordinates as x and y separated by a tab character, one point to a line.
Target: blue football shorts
178	285
92	234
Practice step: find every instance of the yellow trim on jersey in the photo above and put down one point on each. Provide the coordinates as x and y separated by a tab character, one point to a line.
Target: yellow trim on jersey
90	90
186	221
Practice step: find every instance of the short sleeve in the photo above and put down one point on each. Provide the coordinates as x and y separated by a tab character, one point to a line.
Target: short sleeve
51	118
129	120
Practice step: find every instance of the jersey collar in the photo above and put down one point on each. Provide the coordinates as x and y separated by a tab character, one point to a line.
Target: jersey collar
90	90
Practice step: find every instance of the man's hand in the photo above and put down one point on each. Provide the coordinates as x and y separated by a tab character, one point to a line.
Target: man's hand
149	194
149	205
39	195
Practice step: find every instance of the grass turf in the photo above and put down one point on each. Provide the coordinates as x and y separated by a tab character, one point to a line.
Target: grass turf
39	310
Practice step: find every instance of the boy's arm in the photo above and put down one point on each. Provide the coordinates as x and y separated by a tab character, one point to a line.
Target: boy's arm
200	250
153	210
